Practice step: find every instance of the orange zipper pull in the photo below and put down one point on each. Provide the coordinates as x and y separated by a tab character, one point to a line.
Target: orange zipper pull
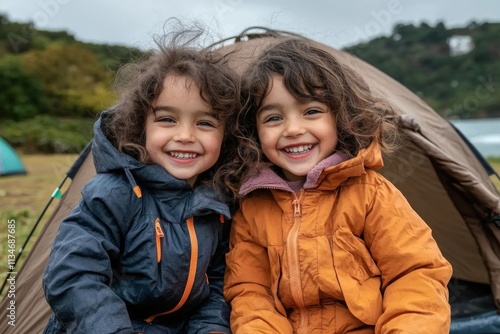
159	235
159	231
296	208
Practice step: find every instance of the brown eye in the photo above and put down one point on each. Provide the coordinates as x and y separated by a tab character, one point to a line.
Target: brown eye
272	118
207	124
313	111
165	120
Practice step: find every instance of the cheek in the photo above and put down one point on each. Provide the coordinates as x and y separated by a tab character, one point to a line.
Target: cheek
268	148
330	137
269	138
148	141
152	140
265	137
150	134
213	143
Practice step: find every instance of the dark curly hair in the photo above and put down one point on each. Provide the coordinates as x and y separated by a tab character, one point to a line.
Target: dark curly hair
140	83
309	73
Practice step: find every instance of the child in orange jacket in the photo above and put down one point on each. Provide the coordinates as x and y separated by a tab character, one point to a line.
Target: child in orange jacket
322	243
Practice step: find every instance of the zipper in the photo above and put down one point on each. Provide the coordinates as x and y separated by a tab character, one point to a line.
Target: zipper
159	235
294	263
193	263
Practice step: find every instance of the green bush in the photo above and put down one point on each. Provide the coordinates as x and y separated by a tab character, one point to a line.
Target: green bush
21	95
47	134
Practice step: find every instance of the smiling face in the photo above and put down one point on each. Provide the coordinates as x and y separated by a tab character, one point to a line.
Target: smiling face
182	134
294	135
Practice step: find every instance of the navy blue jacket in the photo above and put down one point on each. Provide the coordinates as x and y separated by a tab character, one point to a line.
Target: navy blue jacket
120	259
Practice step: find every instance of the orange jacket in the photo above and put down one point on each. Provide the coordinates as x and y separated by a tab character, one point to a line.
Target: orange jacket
346	253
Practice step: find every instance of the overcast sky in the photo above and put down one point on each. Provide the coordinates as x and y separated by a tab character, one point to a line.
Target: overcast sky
334	22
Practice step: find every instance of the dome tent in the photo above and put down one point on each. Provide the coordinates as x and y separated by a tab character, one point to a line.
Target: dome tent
10	163
441	176
444	178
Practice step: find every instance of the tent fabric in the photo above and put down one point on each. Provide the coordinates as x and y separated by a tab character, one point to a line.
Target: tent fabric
10	163
435	169
32	311
478	155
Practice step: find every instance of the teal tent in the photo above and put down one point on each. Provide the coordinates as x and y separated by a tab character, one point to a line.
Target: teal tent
9	160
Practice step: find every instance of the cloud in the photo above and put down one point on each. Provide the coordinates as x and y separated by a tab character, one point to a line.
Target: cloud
338	23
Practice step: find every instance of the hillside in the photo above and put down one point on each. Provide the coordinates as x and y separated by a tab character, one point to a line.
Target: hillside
454	70
51	73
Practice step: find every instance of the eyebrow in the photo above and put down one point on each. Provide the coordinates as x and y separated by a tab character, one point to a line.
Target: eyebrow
174	109
267	107
164	108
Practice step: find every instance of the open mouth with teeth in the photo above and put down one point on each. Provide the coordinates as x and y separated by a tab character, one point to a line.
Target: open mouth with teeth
298	149
183	155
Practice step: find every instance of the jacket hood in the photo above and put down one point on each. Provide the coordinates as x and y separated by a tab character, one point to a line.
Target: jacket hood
106	157
328	173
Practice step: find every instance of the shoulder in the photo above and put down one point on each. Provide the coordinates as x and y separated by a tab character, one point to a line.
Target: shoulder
370	178
366	185
381	196
256	198
260	201
110	190
371	190
105	185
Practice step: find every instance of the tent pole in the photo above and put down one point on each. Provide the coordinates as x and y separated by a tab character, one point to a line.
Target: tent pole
20	251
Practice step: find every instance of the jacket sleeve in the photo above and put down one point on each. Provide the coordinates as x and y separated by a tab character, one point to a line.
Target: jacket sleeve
213	315
77	278
247	284
414	272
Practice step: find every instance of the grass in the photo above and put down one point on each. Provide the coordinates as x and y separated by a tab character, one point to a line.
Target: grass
24	197
495	163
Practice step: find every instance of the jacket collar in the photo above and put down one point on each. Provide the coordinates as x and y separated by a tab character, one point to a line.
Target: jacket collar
327	174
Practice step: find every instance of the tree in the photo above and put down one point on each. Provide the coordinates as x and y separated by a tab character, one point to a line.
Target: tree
21	95
72	77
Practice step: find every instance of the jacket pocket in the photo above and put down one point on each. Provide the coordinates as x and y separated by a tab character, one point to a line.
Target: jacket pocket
158	236
358	275
354	256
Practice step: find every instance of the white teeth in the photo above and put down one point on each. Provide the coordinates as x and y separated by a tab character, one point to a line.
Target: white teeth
182	155
298	149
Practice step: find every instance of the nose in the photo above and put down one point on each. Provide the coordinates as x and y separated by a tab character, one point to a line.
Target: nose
185	134
293	128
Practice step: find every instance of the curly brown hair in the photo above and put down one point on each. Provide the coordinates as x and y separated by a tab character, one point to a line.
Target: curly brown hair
309	73
140	83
